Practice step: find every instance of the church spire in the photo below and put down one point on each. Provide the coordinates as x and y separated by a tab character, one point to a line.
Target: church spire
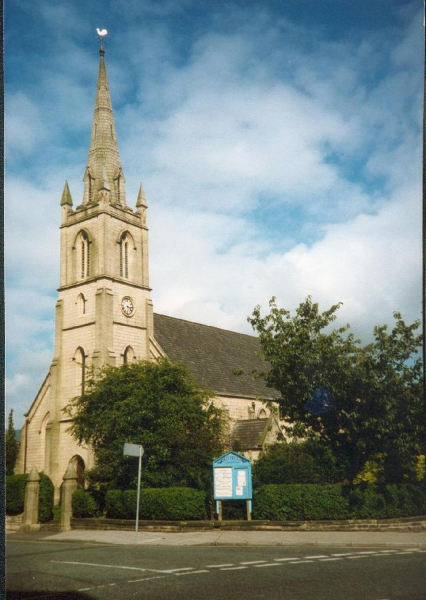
104	156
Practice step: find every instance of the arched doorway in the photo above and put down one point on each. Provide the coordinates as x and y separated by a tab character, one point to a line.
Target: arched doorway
80	467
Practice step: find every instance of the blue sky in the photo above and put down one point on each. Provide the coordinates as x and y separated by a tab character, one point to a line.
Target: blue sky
278	142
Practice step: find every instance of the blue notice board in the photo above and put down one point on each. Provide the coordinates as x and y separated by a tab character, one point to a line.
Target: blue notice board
232	477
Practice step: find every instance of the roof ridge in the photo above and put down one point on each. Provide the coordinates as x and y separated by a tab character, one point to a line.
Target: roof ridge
211	326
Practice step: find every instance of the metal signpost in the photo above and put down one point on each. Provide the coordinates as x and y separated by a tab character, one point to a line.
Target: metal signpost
232	481
135	450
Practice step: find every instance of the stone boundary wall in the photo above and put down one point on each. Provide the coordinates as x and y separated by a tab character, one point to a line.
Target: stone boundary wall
407	524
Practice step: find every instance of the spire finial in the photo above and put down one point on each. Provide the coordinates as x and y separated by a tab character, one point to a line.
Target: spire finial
101	51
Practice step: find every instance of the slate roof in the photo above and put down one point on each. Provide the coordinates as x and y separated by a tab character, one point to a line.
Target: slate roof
249	433
213	355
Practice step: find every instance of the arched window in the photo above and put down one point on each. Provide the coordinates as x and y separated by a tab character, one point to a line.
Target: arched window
83	257
81	305
128	355
126	246
80	360
79	466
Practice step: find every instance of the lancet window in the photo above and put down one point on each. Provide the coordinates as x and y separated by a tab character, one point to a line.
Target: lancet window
80	360
125	248
83	255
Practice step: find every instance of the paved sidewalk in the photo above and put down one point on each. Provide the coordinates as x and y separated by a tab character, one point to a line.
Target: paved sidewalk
243	538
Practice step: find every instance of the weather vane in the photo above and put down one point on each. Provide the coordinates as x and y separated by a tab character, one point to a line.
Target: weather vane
102	33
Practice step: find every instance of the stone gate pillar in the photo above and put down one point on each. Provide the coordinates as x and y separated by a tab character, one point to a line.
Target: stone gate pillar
69	486
32	489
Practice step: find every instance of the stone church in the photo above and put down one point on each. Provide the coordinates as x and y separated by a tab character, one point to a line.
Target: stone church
104	316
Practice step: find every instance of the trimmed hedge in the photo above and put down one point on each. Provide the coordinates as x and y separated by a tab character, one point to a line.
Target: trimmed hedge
387	501
169	504
300	502
15	496
84	505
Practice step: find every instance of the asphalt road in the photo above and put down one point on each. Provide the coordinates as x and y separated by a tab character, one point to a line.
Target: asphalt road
46	569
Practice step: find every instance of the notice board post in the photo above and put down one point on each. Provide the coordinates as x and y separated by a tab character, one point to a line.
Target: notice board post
232	481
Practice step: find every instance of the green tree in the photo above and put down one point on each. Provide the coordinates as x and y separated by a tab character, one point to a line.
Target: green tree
12	446
376	390
159	405
297	462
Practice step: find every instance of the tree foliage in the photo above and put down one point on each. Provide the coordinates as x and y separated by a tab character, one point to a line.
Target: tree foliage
376	390
12	446
298	462
158	405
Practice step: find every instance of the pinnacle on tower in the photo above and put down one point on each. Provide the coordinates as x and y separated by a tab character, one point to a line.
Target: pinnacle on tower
104	156
66	195
141	201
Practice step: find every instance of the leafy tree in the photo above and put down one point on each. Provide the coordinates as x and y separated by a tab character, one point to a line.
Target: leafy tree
156	404
297	462
377	404
12	446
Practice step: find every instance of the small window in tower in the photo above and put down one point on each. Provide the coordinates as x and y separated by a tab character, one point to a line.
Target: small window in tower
81	305
129	355
126	260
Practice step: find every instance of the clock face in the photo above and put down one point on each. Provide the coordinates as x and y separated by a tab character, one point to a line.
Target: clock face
127	306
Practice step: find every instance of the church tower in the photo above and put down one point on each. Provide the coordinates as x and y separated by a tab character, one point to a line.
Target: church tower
104	311
104	316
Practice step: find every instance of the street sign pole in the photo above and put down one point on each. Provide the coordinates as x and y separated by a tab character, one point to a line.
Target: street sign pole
135	450
139	488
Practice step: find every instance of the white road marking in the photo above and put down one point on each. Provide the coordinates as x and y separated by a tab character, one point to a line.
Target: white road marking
317	556
143	579
70	562
367	552
252	562
181	569
326	559
343	554
284	559
269	565
387	551
233	568
299	562
219	566
349	557
406	552
192	572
